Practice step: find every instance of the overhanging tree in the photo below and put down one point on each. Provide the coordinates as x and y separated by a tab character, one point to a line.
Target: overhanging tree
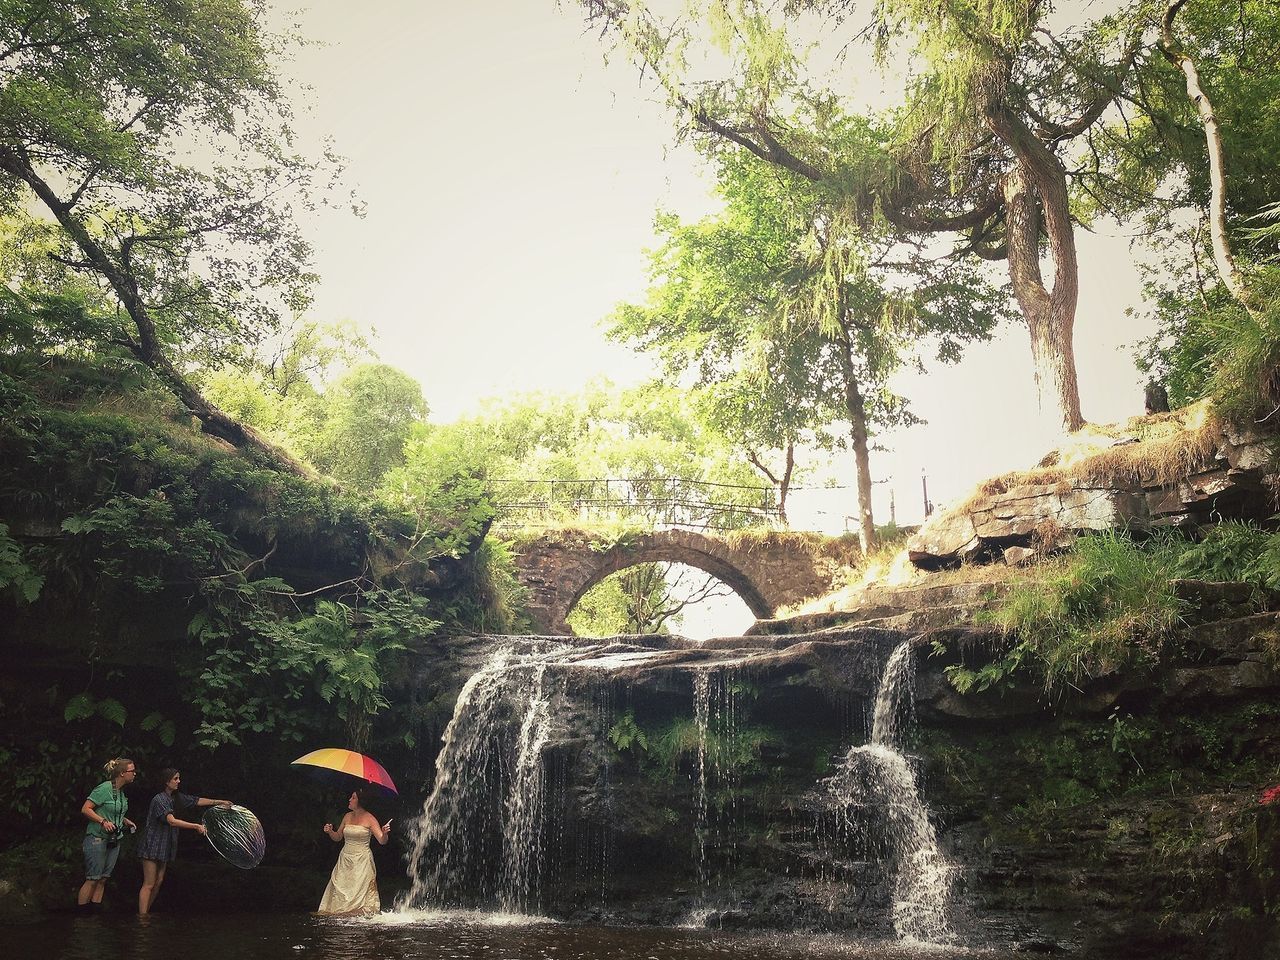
992	109
154	133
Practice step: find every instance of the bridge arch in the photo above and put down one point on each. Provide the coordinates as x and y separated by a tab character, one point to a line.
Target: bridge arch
660	549
767	570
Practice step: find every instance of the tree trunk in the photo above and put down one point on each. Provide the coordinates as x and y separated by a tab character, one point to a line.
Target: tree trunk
783	483
856	408
1035	196
784	486
1223	258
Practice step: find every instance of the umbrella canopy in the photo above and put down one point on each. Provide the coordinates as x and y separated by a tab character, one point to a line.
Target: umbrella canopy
346	767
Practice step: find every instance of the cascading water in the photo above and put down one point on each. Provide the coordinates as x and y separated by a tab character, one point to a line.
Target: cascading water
715	718
876	777
489	796
702	719
522	833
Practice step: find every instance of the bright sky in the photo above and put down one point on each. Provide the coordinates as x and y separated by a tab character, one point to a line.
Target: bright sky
511	179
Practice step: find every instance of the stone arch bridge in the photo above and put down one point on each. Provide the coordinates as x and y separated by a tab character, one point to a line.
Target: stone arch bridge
767	569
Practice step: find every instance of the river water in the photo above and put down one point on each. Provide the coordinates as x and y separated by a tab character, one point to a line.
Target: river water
423	936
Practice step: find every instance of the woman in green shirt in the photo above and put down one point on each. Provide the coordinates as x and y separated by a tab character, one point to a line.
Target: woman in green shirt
105	810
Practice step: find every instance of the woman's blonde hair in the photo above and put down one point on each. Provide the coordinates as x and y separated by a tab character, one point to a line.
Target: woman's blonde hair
113	768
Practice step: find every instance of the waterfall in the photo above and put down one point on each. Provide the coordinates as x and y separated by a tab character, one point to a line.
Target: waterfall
715	717
877	778
895	698
522	829
702	719
489	797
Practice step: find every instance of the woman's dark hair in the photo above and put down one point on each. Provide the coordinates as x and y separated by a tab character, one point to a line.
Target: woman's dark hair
179	805
364	795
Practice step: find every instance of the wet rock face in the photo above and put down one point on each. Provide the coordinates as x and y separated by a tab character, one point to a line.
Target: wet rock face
1037	517
1122	821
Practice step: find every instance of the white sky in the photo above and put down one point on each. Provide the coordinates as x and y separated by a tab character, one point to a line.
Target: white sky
511	179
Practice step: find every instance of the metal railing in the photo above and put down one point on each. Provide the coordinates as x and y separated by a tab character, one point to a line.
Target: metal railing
656	501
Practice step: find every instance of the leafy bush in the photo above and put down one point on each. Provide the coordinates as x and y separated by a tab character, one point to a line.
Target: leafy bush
16	576
1233	551
1245	367
1230	551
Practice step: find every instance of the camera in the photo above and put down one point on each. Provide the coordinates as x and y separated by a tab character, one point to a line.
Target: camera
114	838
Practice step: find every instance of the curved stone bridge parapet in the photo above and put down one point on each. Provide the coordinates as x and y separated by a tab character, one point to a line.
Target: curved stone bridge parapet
767	569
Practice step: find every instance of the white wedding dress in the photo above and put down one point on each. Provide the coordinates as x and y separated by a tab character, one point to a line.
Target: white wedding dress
353	886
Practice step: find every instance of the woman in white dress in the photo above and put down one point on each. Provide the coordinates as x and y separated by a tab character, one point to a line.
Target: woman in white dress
353	885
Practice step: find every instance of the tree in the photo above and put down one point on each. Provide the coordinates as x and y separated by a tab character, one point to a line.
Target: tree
1209	114
369	414
648	598
1223	256
779	298
154	134
281	395
979	151
555	452
707	315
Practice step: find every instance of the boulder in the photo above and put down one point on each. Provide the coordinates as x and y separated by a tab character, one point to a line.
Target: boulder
1045	508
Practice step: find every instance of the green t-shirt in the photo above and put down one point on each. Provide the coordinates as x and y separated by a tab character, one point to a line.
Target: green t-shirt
110	803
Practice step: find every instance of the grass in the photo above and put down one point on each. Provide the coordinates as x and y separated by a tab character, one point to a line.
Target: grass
1106	606
852	575
1245	377
1150	451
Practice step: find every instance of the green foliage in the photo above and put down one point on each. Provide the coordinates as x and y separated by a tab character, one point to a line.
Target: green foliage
1184	312
770	308
351	659
169	524
1209	345
1206	343
157	135
1104	608
677	745
1245	369
499	596
1232	551
258	665
17	578
164	728
678	741
1233	46
83	706
532	457
442	487
293	399
369	415
626	735
45	785
634	600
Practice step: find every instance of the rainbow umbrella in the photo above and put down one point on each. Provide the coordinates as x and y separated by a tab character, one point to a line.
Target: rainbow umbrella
346	768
